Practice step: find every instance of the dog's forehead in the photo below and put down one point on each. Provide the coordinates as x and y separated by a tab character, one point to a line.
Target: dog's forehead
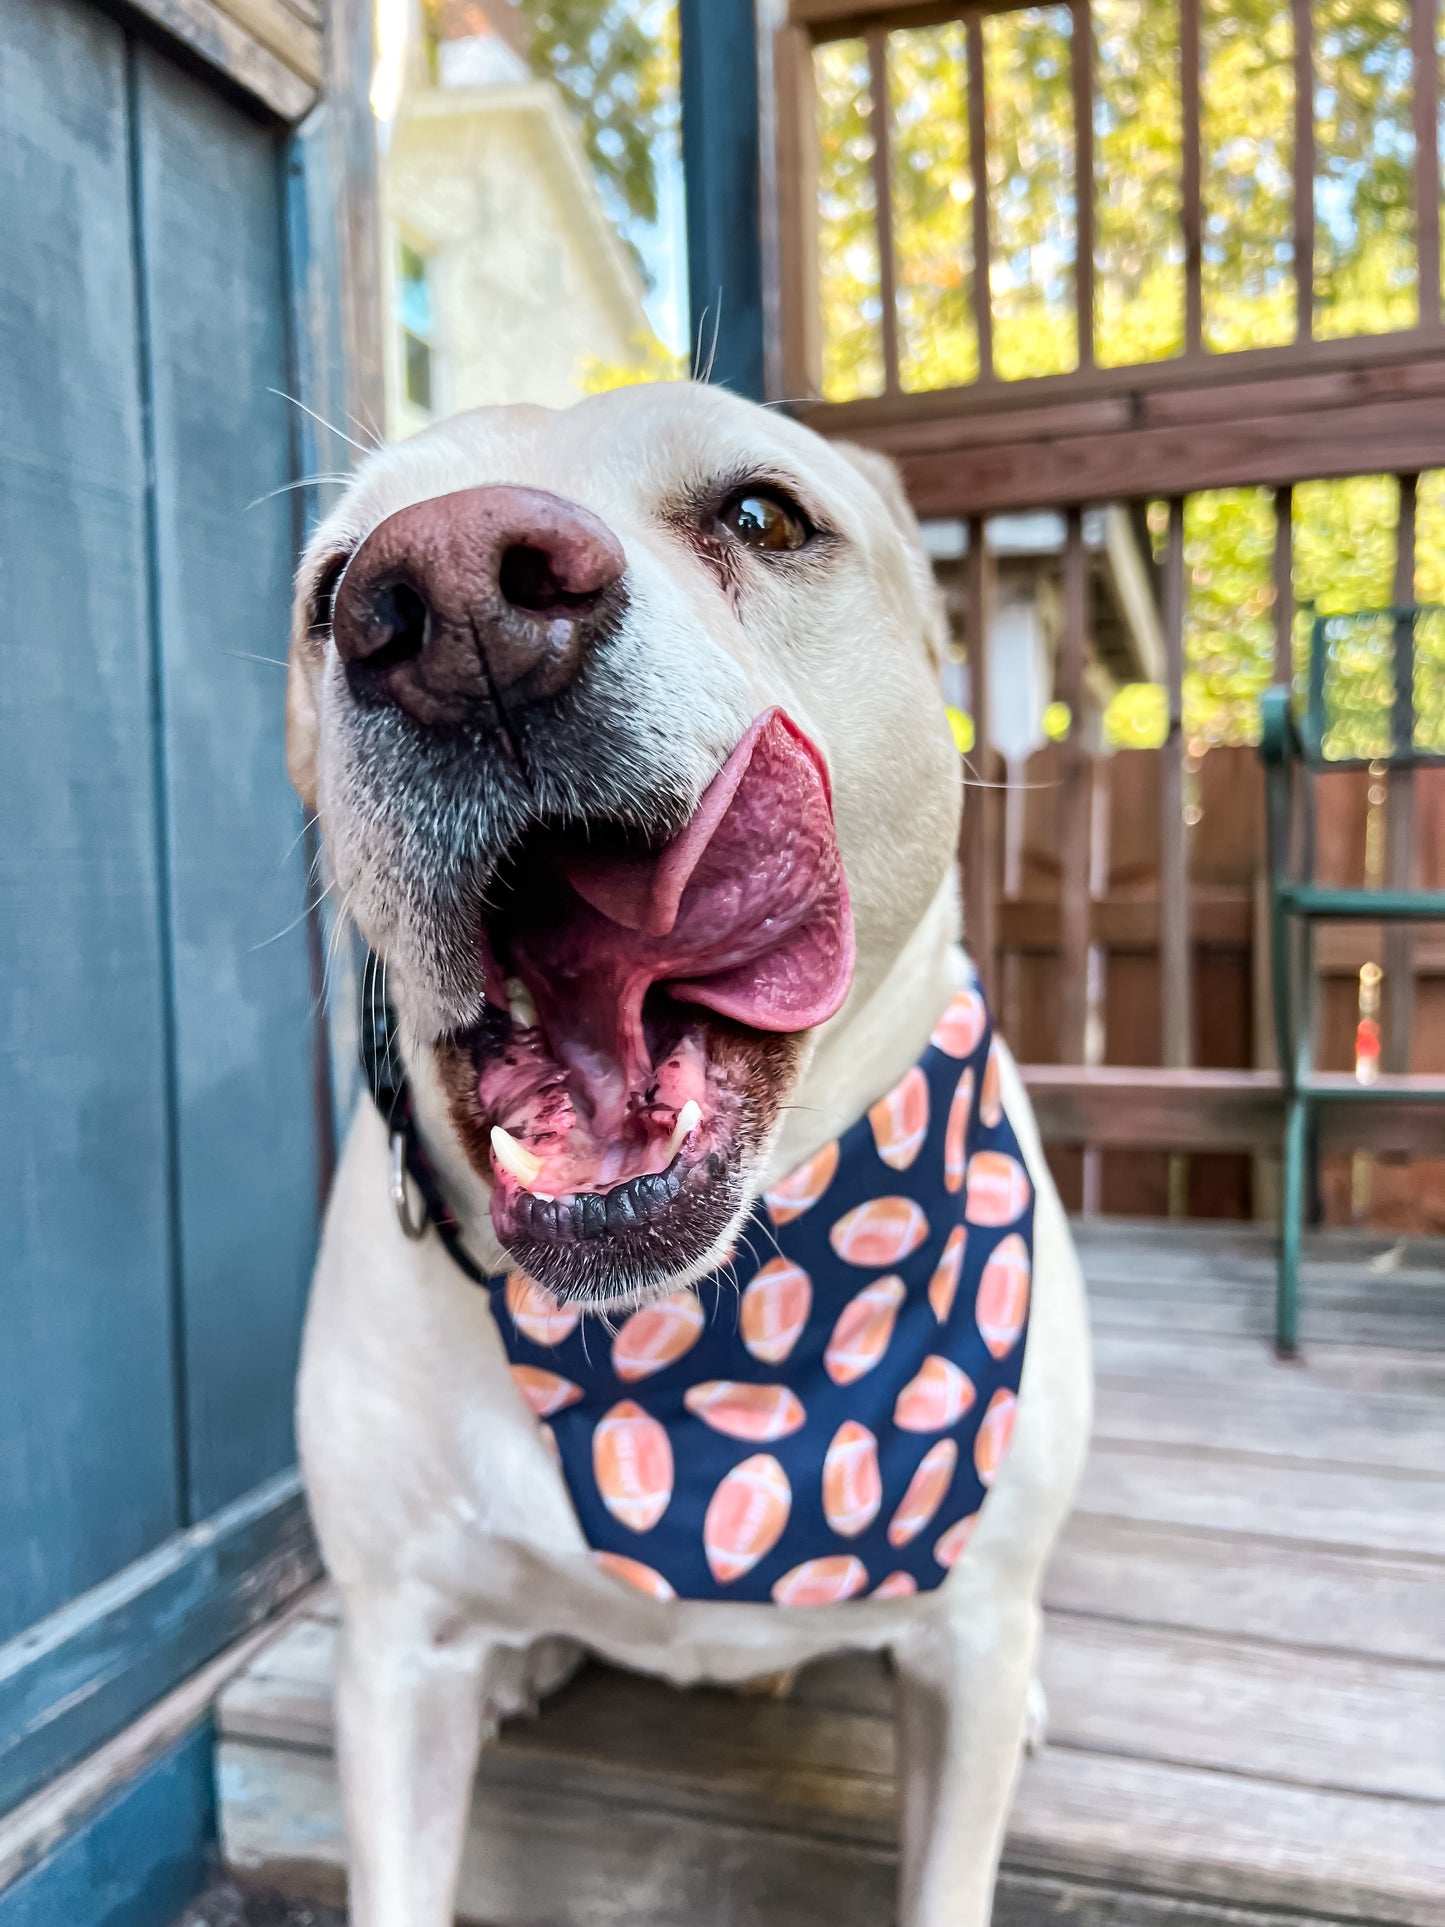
625	454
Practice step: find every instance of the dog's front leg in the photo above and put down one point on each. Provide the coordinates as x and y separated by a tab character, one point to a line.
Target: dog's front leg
410	1696
962	1697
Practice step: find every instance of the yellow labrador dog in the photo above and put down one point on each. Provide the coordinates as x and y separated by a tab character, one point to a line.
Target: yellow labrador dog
625	730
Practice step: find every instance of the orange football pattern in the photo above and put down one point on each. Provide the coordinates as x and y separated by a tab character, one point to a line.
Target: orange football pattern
898	1585
900	1121
864	1328
998	1188
990	1095
939	1395
822	1582
745	1517
632	1464
657	1335
801	1189
943	1285
775	1308
545	1392
536	1313
881	1232
961	1027
955	1137
632	1572
755	1413
1003	1295
852	1483
925	1492
994	1435
951	1544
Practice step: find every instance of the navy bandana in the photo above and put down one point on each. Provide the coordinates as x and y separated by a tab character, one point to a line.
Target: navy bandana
822	1418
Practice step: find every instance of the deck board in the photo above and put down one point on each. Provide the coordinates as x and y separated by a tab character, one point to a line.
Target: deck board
1245	1662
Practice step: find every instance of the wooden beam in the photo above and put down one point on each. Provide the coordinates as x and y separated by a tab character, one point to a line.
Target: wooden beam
979	800
1400	798
1426	99
797	184
351	139
978	167
1081	48
1176	957
277	26
1073	800
235	50
1304	168
879	117
1193	219
1284	604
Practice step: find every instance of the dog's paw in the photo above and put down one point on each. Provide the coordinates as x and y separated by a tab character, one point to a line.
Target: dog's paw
1036	1717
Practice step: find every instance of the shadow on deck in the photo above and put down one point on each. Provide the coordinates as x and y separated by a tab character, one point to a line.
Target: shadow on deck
1245	1664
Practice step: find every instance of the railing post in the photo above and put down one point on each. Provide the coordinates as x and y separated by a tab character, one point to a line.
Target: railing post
878	124
1426	96
1400	796
1082	59
1193	220
979	812
978	168
1173	844
1074	801
1304	169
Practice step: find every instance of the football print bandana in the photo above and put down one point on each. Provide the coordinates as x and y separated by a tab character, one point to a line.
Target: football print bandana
821	1419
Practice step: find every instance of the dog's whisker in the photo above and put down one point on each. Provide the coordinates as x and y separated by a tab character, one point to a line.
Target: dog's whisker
321	421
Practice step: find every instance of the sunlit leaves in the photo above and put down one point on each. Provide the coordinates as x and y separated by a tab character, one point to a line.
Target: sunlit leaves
848	272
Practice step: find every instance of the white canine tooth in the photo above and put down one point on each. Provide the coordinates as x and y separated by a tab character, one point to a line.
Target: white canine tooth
688	1119
516	1158
520	1005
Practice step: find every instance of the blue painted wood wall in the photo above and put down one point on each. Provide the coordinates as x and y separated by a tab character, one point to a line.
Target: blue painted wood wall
159	1170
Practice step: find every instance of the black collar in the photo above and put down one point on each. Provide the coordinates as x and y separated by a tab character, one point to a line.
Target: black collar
386	1078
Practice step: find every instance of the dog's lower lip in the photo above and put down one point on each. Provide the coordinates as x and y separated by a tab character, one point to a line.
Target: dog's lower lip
582	1216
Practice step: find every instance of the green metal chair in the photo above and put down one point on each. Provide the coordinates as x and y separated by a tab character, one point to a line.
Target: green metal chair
1383	645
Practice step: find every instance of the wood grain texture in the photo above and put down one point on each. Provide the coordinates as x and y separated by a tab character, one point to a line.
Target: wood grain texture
217	302
230	47
1244	1659
82	1049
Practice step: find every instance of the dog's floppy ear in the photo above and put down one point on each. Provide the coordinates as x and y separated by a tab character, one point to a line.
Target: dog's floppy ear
316	580
888	484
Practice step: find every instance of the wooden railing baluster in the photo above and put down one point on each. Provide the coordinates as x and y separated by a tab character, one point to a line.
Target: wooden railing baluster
979	800
1284	586
1399	958
1074	787
978	166
1082	59
1193	218
878	123
1304	169
1174	948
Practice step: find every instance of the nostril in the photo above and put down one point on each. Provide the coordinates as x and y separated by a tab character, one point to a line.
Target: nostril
528	580
400	620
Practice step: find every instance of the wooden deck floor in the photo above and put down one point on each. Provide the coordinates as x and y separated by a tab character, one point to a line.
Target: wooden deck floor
1245	1665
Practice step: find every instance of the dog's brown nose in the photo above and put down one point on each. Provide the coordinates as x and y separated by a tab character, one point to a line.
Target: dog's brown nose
489	595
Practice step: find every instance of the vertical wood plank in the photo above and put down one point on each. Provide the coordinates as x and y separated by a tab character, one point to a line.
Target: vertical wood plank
1304	168
1074	790
978	166
87	1433
1399	958
980	811
1193	218
347	58
1081	53
797	167
1426	100
878	122
1175	952
217	300
1284	586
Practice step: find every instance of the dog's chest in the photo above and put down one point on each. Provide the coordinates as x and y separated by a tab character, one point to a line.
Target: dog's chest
822	1418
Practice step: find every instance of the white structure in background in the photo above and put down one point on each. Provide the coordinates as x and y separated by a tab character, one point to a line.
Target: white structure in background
503	276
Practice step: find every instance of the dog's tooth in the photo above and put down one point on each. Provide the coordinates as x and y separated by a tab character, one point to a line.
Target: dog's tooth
514	1157
688	1119
520	1005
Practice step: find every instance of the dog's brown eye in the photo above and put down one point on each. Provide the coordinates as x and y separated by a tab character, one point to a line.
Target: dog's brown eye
762	520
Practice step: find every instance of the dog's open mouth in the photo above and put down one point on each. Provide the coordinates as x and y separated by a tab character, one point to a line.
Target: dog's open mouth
634	1051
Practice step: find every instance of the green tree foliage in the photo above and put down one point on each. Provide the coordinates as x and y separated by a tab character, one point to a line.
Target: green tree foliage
615	63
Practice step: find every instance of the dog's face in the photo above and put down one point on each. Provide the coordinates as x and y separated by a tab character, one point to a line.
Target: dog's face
624	728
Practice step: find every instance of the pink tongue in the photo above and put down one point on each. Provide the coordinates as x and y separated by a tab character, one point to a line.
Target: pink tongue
746	913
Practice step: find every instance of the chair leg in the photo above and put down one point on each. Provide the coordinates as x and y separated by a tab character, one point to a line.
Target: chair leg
1296	1145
